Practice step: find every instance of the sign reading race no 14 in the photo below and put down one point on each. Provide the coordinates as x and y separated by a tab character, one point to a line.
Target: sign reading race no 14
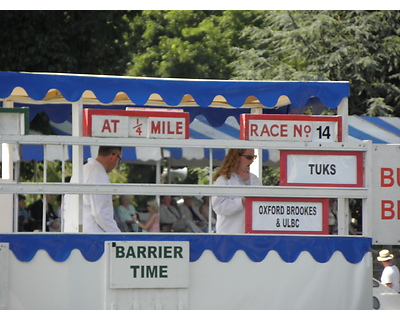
267	127
149	264
136	123
287	215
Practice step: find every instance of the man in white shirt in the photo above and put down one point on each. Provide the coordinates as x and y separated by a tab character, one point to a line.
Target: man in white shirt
98	211
390	274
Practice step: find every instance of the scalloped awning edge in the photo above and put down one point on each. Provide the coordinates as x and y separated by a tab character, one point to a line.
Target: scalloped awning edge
55	87
224	247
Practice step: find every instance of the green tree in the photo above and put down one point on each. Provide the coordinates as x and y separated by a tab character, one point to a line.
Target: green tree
358	46
65	41
187	43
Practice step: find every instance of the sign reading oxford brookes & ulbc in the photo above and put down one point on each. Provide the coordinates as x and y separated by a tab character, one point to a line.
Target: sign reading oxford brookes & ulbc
136	123
287	215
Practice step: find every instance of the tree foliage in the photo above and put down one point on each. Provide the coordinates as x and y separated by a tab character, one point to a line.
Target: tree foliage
65	41
362	47
187	43
358	46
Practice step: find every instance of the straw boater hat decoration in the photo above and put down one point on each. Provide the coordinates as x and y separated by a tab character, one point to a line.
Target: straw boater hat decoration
385	255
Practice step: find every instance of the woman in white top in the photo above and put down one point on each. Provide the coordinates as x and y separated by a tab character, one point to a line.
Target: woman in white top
234	171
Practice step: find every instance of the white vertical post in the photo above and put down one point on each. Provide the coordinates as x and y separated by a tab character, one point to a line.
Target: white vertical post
158	171
211	166
44	198
63	181
256	167
343	111
343	215
7	212
77	164
209	197
158	175
7	164
344	220
7	152
7	175
367	203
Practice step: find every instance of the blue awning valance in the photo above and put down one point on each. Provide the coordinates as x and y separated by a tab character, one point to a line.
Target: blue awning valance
48	87
224	247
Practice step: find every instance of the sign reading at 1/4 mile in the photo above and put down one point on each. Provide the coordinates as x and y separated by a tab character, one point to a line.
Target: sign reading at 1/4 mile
287	215
149	264
266	127
136	124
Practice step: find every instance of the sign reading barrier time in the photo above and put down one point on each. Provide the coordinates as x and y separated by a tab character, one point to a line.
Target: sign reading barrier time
287	215
268	127
322	168
149	264
135	123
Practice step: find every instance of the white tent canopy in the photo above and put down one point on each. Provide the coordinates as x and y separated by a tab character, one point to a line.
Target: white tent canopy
381	130
212	100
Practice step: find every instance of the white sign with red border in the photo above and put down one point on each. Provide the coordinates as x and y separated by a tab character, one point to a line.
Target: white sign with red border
135	124
386	194
265	127
287	215
322	168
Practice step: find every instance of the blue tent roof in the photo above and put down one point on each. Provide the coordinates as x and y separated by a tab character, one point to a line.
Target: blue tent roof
210	101
210	119
172	91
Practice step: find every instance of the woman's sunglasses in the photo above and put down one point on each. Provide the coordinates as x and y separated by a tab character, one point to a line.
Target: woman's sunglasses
248	157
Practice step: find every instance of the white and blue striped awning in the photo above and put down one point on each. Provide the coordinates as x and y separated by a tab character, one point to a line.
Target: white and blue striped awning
381	130
214	106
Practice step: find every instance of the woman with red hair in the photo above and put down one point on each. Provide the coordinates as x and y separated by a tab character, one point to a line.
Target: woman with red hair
234	171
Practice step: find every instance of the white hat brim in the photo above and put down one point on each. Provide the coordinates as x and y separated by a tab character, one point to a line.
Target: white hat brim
390	257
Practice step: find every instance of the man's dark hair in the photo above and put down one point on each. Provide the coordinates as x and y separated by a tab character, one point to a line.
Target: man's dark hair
105	151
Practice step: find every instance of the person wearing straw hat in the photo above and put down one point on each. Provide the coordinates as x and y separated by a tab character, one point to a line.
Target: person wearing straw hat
390	273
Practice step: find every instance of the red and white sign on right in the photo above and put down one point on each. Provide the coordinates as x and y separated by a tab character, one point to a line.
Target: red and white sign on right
266	127
386	194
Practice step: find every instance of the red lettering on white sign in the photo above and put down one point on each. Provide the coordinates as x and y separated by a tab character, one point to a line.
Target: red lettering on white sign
274	130
388	211
166	127
298	130
136	123
290	128
107	126
387	177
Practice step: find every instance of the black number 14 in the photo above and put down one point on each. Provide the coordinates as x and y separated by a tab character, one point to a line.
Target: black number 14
324	132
